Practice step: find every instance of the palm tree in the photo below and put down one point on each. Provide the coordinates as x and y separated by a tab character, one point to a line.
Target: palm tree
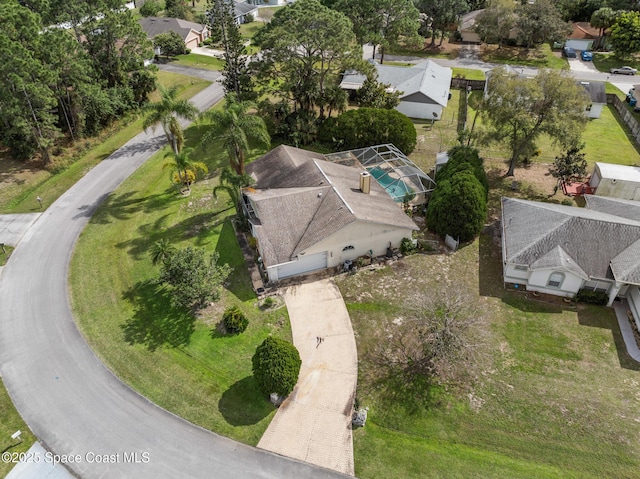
236	128
161	251
166	112
232	183
184	171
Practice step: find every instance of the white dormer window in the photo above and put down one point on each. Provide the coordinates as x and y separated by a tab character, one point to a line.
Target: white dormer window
555	280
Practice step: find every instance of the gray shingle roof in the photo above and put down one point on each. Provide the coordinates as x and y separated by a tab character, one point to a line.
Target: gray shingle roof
242	8
301	199
153	26
547	235
614	206
596	91
427	78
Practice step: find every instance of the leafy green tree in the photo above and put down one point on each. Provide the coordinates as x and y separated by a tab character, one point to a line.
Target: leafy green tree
237	129
496	22
117	45
161	251
177	9
27	102
540	22
170	44
195	277
603	18
363	15
237	77
184	171
443	15
369	126
569	167
377	95
625	34
399	19
167	112
150	8
276	366
518	110
458	207
305	48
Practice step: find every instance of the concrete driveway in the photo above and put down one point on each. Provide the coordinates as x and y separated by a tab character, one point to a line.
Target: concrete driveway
314	422
13	227
68	398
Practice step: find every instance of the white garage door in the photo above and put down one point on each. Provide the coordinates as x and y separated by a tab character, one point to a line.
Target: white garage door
579	44
304	264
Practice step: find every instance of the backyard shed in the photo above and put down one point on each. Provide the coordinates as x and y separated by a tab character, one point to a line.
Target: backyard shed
616	181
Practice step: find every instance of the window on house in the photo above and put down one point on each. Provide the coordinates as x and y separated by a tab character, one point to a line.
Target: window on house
520	267
589	107
555	280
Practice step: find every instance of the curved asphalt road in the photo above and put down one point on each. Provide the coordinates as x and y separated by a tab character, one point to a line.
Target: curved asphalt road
73	404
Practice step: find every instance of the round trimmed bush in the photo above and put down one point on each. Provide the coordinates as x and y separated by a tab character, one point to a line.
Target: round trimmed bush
234	320
276	365
462	158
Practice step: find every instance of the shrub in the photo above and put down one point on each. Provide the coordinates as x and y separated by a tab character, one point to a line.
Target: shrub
170	44
150	8
407	247
369	126
268	302
248	18
599	298
234	320
276	365
458	207
463	158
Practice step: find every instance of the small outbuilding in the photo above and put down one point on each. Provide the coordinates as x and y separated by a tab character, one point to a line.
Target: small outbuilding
616	181
597	97
467	27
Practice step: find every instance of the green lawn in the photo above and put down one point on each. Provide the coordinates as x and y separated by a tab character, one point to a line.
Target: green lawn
555	397
198	61
248	30
541	56
5	252
180	362
468	73
605	61
10	422
19	196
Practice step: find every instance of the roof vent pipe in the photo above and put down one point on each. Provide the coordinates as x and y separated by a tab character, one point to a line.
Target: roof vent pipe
365	182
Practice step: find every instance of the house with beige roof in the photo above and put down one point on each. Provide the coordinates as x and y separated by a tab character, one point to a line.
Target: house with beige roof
191	33
309	214
560	250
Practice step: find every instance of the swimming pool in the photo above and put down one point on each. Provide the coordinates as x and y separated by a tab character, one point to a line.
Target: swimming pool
394	186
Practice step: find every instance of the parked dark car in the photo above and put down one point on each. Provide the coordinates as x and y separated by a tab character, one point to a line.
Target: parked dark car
569	52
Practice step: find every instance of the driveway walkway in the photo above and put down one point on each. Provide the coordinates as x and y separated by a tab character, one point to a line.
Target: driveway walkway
13	227
314	422
67	397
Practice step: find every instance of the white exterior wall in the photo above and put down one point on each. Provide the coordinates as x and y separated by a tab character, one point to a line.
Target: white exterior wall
422	111
633	298
627	190
470	36
363	237
513	275
596	110
538	282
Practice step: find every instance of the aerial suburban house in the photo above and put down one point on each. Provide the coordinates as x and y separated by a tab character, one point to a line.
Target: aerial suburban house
424	87
616	181
597	96
192	33
242	9
467	27
582	37
558	249
308	213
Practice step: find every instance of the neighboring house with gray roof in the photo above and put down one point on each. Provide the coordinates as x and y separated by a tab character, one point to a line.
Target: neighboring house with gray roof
191	33
467	27
616	181
242	9
560	250
597	96
425	87
309	214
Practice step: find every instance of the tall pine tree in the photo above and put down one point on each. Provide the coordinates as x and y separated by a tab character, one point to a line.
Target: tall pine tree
237	77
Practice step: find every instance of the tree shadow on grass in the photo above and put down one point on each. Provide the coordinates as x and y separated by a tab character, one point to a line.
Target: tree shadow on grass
124	206
243	404
156	322
239	281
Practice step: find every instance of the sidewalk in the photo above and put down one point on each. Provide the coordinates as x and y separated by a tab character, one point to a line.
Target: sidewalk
314	422
621	309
